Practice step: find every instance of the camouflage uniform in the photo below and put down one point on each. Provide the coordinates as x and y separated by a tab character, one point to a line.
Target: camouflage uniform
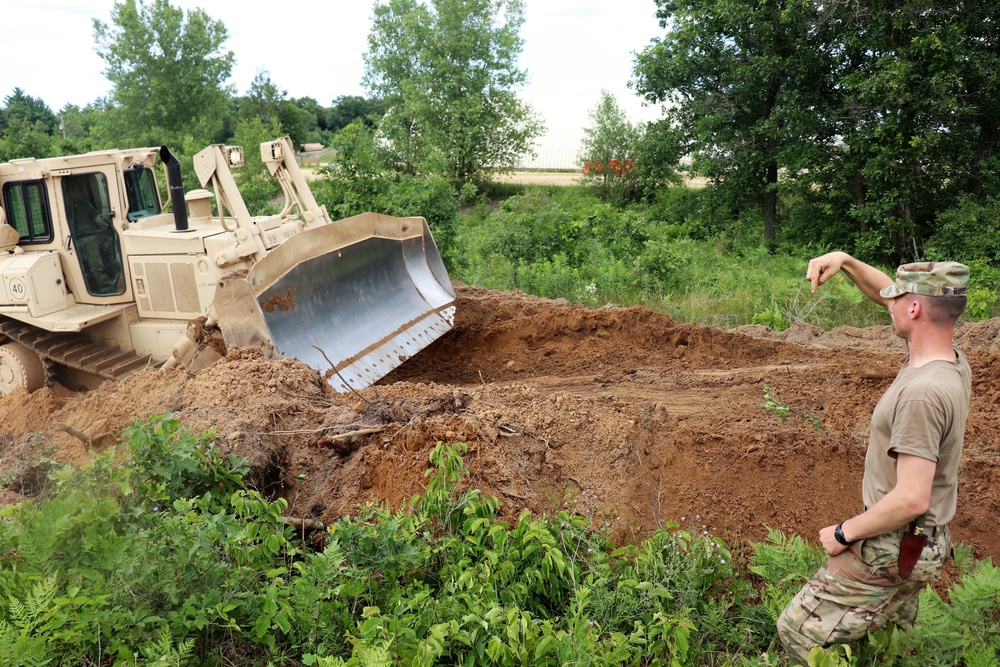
860	589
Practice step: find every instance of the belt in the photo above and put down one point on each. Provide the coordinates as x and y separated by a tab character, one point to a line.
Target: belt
932	532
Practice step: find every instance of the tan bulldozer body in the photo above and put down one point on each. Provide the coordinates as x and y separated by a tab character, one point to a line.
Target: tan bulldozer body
97	281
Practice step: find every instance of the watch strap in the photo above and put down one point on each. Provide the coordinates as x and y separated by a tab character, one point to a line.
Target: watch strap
838	534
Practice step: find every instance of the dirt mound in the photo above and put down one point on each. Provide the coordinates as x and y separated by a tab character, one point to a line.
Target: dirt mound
621	414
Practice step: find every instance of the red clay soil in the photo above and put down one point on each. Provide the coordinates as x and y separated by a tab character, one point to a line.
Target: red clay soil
621	414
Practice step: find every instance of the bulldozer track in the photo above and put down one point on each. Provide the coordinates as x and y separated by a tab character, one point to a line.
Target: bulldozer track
71	350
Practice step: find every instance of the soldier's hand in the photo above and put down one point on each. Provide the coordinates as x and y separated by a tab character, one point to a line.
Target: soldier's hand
823	267
829	542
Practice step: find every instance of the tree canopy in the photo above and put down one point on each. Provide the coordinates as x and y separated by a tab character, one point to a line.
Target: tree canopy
447	73
886	110
27	126
731	73
609	148
168	70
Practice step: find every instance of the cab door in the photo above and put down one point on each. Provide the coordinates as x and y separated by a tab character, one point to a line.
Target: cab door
92	208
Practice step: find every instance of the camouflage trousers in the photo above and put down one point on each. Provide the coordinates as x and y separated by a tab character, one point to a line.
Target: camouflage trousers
857	592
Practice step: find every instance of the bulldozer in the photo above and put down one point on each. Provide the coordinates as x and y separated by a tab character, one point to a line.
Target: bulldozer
98	280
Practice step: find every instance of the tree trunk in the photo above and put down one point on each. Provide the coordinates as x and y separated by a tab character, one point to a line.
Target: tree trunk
907	211
860	196
987	146
770	197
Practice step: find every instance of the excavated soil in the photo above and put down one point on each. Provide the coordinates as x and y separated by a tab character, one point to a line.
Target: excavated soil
621	414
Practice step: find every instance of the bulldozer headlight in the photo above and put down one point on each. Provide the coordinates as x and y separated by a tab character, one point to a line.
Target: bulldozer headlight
271	152
235	156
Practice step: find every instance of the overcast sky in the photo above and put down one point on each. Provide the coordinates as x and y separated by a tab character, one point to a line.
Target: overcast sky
314	48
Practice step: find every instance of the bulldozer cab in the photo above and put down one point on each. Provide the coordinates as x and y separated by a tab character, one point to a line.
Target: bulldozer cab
89	215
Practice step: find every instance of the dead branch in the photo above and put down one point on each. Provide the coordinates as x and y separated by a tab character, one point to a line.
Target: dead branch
87	440
303	524
351	434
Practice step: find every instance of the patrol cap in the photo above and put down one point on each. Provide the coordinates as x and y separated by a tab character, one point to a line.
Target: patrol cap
929	279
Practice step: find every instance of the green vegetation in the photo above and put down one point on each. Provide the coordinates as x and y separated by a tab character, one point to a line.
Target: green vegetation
817	126
160	554
813	126
673	256
447	70
167	69
775	407
883	117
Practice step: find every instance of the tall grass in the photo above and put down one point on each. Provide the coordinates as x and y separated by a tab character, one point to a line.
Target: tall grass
560	242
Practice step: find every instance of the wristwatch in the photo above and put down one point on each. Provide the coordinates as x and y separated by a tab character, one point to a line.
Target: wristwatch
838	534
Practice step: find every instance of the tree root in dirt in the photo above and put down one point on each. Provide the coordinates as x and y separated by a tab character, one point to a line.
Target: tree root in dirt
86	439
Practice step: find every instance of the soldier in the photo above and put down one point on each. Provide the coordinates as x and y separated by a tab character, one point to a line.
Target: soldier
882	558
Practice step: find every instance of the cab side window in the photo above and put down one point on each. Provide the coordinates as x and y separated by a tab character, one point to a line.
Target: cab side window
27	209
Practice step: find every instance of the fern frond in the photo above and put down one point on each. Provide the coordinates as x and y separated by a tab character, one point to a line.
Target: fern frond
20	650
963	631
163	653
978	654
33	611
978	592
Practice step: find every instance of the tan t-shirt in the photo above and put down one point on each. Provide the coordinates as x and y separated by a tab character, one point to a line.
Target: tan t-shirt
923	413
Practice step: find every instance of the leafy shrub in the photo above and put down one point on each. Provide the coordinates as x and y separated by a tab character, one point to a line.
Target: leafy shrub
968	232
785	564
163	539
118	566
358	181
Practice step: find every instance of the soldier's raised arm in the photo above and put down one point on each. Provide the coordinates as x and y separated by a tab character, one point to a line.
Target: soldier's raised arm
868	279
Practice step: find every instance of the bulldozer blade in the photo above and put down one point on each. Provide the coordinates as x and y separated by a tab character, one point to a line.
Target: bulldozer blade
362	295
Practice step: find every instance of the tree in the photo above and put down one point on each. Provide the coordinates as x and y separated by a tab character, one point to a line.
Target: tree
728	73
21	106
312	117
257	188
880	114
918	92
348	108
23	139
167	69
447	74
263	99
266	102
75	128
27	126
609	149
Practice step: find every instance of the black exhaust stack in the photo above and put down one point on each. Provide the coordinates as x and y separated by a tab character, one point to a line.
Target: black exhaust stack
176	187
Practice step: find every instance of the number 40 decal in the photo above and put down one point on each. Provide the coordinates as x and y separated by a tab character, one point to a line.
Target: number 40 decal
17	289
